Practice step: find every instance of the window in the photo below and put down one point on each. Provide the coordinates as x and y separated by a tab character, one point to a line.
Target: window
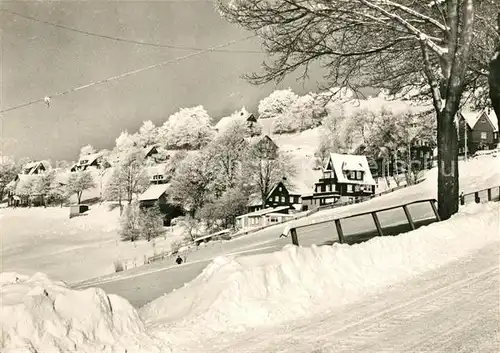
276	198
274	219
291	199
334	187
329	187
280	188
323	188
484	135
353	176
283	199
349	188
327	175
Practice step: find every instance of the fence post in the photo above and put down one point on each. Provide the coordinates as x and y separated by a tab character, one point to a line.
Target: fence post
408	216
377	224
295	239
477	199
340	232
434	208
489	194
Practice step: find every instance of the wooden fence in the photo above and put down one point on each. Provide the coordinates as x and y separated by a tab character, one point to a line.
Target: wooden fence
490	194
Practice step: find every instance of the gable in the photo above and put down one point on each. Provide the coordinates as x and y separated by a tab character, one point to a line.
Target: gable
252	118
483	123
278	189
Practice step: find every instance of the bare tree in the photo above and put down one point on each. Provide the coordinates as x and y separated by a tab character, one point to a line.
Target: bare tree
402	45
263	172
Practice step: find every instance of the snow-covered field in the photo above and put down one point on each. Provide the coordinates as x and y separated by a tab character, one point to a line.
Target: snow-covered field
46	240
234	294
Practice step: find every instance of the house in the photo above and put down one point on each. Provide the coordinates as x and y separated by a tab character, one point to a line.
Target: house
263	217
280	195
20	190
243	117
158	195
346	176
150	151
263	146
33	168
157	173
477	131
95	160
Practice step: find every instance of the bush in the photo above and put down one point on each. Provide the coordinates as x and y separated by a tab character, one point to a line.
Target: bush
129	223
150	222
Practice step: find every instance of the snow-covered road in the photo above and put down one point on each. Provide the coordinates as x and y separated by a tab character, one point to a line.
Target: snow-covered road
453	309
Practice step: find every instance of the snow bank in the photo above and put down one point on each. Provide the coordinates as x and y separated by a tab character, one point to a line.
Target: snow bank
41	315
235	294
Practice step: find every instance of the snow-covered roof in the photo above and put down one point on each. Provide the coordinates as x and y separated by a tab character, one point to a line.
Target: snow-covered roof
493	118
157	169
239	116
89	158
154	192
252	141
343	162
472	117
29	168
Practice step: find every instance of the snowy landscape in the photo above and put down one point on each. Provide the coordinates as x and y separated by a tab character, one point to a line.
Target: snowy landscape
341	196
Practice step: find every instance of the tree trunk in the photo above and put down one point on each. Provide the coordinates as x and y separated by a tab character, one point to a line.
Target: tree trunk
494	80
79	196
447	165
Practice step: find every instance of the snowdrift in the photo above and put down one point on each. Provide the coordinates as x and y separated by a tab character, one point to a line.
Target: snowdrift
41	315
233	294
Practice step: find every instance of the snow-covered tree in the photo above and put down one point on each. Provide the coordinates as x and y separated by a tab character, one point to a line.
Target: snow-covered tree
193	182
228	151
150	222
129	178
130	222
8	171
86	150
114	189
277	103
189	128
126	142
148	134
306	112
43	185
79	182
222	213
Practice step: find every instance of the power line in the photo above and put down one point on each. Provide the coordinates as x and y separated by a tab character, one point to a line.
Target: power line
124	40
129	73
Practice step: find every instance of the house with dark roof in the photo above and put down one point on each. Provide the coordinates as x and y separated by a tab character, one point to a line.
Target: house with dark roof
263	146
280	195
477	131
344	176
